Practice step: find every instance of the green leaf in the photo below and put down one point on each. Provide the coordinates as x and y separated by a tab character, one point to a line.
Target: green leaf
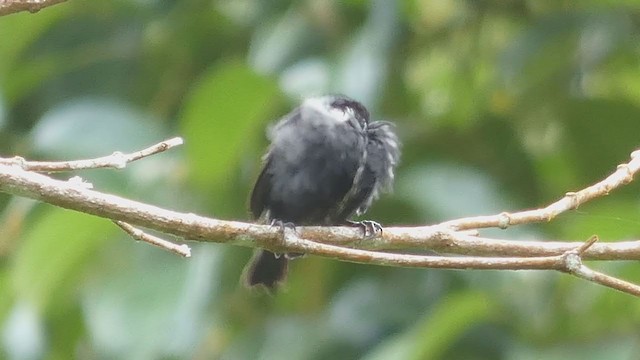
450	319
24	29
54	253
145	290
223	108
98	126
437	331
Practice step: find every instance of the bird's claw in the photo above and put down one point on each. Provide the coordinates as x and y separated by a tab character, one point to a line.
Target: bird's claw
283	228
370	228
283	225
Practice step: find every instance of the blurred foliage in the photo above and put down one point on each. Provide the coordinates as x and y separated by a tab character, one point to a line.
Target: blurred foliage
501	105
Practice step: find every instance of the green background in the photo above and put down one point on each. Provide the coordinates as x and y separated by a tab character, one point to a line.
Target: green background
501	105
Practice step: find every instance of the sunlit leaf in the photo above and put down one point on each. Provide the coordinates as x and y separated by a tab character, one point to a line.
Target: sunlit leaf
451	191
225	107
89	127
24	332
163	295
363	69
275	43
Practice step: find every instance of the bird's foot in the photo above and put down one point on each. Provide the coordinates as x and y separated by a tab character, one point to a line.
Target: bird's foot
283	225
371	229
283	228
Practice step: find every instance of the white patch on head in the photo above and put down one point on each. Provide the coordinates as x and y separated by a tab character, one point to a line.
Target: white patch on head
392	143
323	106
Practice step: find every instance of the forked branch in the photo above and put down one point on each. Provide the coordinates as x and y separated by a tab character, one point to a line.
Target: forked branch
456	237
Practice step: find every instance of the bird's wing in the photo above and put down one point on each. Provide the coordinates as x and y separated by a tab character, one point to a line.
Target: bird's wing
384	153
361	190
382	156
261	190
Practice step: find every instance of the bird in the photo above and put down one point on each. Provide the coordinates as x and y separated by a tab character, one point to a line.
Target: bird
327	161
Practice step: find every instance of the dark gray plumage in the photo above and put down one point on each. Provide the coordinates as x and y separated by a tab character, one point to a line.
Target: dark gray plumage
326	163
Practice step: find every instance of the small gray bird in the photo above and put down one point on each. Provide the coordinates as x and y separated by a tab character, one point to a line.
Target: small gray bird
326	163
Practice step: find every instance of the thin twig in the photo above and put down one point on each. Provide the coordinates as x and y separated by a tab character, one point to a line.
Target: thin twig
295	243
587	244
574	266
626	287
117	160
182	250
569	262
571	201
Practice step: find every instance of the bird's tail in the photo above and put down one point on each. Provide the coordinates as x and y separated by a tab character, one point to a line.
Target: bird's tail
266	269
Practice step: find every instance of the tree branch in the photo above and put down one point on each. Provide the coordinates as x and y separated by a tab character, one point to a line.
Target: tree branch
571	201
182	250
573	265
13	6
19	177
117	160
